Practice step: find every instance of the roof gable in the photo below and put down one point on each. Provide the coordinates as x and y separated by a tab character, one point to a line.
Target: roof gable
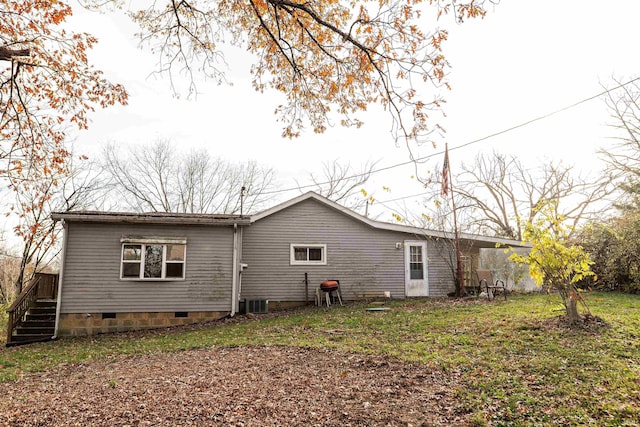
482	240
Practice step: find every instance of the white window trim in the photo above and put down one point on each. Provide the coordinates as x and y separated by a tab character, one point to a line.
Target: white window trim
292	258
143	243
154	240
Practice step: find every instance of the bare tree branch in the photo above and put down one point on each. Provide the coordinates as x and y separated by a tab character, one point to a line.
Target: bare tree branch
342	184
155	177
496	194
623	156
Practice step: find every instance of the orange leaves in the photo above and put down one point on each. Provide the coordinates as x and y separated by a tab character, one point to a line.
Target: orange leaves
319	54
261	6
57	16
326	56
438	38
53	86
43	93
333	89
471	10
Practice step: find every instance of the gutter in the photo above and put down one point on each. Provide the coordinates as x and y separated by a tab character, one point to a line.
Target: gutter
234	280
150	218
242	265
65	231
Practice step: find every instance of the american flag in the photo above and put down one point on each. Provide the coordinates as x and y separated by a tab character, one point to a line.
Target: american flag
445	173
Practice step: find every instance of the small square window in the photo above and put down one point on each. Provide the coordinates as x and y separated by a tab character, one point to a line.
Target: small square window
308	254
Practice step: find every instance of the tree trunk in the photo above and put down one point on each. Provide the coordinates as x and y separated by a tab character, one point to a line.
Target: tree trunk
572	310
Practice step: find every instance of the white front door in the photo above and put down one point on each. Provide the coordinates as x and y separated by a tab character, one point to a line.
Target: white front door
415	270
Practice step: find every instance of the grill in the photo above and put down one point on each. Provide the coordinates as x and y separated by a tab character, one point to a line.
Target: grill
331	290
329	285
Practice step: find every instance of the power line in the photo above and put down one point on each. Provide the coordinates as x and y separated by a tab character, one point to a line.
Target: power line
544	116
466	144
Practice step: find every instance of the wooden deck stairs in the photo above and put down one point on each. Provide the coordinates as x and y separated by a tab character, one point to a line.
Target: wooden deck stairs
38	323
32	316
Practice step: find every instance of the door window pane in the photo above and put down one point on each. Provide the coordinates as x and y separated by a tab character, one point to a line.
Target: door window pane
417	272
416	266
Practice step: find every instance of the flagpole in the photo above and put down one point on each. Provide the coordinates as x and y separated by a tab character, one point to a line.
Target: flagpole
459	275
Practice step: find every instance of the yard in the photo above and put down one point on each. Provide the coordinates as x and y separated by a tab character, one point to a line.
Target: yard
431	362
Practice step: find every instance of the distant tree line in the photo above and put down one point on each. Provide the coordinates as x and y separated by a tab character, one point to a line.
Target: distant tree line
147	177
614	241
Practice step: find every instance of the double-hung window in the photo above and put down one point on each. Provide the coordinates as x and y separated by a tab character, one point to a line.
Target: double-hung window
302	254
153	259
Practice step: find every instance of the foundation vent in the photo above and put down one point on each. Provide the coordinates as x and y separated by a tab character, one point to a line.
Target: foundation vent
257	306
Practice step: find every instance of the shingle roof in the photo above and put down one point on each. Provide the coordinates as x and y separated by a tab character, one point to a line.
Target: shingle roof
150	218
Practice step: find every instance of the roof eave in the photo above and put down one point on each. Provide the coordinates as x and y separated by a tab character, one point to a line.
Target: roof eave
178	219
486	241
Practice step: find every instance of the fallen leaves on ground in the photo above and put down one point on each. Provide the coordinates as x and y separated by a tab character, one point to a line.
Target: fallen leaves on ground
242	386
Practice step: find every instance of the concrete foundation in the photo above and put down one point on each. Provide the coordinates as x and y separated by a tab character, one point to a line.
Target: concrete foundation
83	324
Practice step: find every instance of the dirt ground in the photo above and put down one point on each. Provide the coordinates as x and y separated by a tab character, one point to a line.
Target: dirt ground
254	386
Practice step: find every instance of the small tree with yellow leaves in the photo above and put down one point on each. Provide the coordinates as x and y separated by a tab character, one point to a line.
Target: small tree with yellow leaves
554	261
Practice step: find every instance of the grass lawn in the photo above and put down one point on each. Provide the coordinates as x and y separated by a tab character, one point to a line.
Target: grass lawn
517	366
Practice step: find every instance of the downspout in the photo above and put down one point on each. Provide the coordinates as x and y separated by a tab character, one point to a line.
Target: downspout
234	281
242	266
61	276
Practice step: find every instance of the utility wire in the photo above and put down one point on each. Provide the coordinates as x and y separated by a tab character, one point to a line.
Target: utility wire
545	116
466	144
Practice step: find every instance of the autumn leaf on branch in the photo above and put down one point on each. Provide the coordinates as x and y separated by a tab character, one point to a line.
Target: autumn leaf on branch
329	58
46	87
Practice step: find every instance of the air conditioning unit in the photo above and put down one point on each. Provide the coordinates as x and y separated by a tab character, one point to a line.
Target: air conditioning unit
257	306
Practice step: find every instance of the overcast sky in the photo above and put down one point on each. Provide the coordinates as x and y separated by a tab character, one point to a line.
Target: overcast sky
526	59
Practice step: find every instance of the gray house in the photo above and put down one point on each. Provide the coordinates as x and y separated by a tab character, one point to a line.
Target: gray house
125	271
313	236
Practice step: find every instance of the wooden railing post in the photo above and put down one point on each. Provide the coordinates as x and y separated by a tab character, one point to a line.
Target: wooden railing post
9	328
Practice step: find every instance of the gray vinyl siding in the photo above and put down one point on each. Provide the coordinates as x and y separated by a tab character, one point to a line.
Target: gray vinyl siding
363	258
91	280
440	261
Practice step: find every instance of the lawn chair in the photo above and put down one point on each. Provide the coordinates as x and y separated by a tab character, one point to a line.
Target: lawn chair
486	284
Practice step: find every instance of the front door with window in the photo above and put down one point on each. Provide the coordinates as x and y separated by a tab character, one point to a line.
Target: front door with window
416	277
